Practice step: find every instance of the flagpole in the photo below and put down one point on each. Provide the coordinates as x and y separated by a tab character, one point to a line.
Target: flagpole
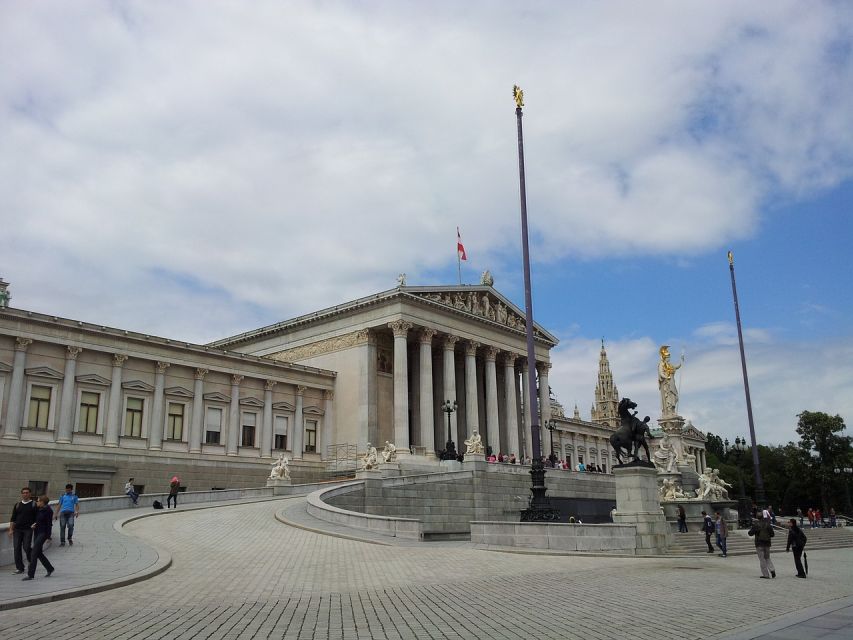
459	265
539	508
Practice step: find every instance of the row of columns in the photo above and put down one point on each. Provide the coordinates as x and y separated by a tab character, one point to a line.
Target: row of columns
401	329
112	432
699	460
571	444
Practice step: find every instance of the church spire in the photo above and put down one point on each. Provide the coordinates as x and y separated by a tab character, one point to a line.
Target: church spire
605	409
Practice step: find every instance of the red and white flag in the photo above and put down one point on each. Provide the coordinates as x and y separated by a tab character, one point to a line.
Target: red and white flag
460	248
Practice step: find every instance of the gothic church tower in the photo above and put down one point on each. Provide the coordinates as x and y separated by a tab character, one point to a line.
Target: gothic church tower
605	409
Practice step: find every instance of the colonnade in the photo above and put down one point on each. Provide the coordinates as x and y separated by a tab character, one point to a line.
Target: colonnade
699	459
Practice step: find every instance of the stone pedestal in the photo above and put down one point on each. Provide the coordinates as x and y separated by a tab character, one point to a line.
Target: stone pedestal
278	485
389	469
368	474
638	503
475	457
450	465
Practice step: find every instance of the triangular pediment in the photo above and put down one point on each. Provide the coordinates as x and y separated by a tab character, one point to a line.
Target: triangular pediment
44	372
178	392
313	411
217	397
93	378
250	402
693	432
137	385
283	406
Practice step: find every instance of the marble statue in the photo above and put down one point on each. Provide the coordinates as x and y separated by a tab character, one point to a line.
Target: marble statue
401	280
666	382
719	487
665	457
370	459
486	279
670	490
474	444
280	470
389	453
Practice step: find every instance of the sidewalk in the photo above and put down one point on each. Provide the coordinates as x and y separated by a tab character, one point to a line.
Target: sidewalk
102	558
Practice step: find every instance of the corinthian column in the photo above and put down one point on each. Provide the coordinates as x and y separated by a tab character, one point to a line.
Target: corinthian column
155	437
472	413
15	415
233	438
511	404
198	410
425	378
492	401
114	416
450	378
525	393
328	421
544	399
66	408
401	384
266	425
299	424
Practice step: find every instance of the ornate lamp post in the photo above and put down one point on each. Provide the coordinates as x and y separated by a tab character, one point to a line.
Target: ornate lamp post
449	448
551	425
743	506
846	473
539	509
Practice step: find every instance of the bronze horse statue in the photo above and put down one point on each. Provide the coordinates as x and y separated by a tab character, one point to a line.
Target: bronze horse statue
632	434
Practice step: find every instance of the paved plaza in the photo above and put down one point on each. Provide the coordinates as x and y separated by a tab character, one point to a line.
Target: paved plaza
238	571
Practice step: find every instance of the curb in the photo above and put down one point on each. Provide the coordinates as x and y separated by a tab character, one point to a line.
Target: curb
279	515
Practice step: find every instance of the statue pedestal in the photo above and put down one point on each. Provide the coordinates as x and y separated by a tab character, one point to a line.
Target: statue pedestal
368	474
638	503
279	485
689	479
389	469
450	465
475	457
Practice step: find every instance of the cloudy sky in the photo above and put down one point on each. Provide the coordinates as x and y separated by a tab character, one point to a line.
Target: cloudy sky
196	169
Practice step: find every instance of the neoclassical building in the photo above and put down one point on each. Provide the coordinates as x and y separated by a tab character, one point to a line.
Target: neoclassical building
95	405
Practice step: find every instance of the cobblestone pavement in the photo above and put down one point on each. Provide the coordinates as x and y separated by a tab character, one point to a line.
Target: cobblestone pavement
237	572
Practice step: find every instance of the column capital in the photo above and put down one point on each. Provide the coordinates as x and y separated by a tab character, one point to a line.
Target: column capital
509	359
269	384
471	347
449	342
236	379
160	366
328	394
71	353
21	344
400	328
119	359
543	368
200	373
426	335
491	353
301	389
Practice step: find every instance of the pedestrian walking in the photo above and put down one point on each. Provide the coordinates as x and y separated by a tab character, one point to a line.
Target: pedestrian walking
708	528
797	543
67	511
130	491
722	530
800	516
42	530
21	528
682	519
762	531
174	486
811	517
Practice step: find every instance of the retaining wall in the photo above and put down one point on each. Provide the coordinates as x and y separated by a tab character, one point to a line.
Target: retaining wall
602	538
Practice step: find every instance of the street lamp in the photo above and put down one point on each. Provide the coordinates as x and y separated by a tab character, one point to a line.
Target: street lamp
551	425
449	448
846	473
743	505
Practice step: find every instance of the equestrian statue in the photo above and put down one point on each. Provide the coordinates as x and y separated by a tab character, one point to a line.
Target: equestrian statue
629	437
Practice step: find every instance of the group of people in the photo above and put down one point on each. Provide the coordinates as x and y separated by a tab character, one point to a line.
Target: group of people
816	518
31	524
763	533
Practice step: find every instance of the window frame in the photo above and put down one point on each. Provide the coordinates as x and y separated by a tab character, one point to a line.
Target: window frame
141	412
218	432
168	433
51	406
253	427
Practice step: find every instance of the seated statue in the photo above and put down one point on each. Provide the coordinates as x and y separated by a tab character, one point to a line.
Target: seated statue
389	453
474	444
719	487
706	485
665	458
670	490
280	469
370	459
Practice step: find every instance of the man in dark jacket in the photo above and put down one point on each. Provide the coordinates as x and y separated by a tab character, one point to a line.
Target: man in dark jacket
762	530
797	542
42	530
21	528
708	528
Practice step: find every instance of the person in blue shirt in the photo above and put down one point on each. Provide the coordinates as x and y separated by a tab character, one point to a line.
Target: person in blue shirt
67	511
42	530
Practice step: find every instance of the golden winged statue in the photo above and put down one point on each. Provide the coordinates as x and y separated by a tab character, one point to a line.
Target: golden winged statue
518	96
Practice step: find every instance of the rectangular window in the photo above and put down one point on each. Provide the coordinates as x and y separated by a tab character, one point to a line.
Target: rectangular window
213	425
310	436
280	432
37	488
248	431
175	423
89	403
39	407
133	418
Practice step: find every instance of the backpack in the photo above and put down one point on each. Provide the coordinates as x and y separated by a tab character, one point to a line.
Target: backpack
709	526
157	504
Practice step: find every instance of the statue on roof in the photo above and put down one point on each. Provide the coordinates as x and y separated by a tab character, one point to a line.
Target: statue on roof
486	279
401	280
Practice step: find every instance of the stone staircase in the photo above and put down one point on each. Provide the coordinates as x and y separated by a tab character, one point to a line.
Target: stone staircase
739	543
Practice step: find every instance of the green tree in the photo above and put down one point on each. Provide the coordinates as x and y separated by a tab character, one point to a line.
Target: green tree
822	438
714	445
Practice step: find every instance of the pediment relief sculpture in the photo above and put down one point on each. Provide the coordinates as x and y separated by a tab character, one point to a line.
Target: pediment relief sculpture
480	304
